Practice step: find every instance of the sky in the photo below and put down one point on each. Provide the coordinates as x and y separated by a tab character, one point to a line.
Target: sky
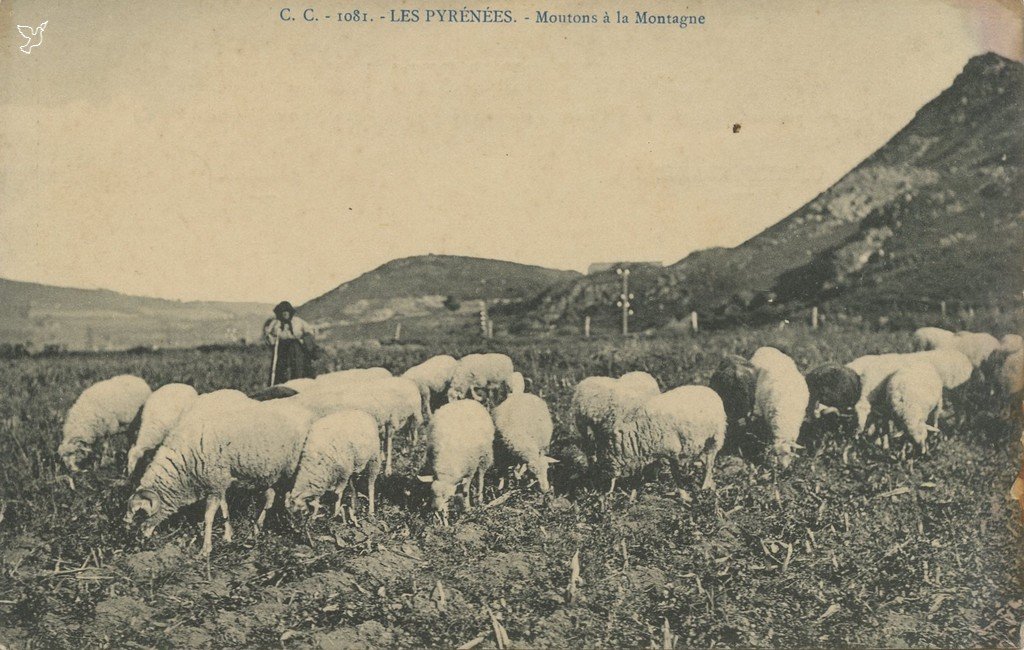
214	151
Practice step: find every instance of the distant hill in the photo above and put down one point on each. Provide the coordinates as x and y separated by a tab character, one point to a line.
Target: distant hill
39	315
936	214
416	287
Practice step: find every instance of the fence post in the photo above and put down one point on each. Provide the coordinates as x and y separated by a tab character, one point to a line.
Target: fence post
398	331
586	327
942	306
694	325
814	318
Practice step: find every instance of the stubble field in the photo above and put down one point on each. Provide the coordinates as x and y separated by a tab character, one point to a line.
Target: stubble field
849	546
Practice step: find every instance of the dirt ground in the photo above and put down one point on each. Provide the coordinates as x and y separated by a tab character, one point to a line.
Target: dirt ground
849	546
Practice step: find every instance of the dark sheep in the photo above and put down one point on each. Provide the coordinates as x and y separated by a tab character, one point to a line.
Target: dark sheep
735	380
834	385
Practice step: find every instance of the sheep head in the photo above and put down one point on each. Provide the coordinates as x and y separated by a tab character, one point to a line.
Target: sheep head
149	504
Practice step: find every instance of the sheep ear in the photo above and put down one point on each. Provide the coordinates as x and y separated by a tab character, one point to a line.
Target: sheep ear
794	445
932	428
550	459
426	479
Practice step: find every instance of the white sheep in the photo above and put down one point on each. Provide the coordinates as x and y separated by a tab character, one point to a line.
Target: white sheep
338	447
395	404
299	384
679	425
641	382
255	443
912	400
953	366
598	401
341	378
1011	343
781	398
932	338
977	346
432	377
98	414
522	427
765	357
460	446
159	415
517	383
489	374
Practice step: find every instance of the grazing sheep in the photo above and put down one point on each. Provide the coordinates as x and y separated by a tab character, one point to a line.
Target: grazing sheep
913	401
976	346
256	443
517	383
1011	377
299	384
834	386
641	382
598	401
159	415
953	366
338	447
460	445
489	373
1011	343
343	378
432	377
873	370
769	357
780	401
393	402
932	338
735	380
678	426
522	427
99	413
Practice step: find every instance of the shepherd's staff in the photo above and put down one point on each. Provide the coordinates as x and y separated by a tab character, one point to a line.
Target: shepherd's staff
273	364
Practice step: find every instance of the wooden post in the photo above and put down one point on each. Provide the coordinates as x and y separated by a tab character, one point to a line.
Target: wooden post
490	328
586	327
814	318
942	306
398	331
694	325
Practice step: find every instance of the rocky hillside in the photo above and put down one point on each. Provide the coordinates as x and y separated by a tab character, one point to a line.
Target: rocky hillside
935	214
429	288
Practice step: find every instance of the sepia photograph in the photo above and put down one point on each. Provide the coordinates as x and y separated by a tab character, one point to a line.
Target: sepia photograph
611	324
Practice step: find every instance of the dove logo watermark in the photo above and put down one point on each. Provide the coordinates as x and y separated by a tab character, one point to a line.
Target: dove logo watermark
33	37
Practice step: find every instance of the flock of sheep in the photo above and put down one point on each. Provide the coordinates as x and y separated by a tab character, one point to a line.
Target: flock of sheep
313	436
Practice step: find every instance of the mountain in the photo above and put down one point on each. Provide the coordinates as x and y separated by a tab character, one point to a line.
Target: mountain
416	290
39	315
937	213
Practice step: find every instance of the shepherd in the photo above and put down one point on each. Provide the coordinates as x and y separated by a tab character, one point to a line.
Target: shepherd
289	336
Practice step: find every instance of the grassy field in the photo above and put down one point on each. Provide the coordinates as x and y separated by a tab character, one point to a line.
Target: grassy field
849	546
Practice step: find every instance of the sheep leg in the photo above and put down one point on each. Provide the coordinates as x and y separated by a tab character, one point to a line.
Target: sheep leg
211	513
268	503
387	452
355	500
677	476
611	488
339	509
106	452
709	466
372	469
480	486
228	530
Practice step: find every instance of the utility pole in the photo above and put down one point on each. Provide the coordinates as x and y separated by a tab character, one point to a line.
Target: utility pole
624	299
